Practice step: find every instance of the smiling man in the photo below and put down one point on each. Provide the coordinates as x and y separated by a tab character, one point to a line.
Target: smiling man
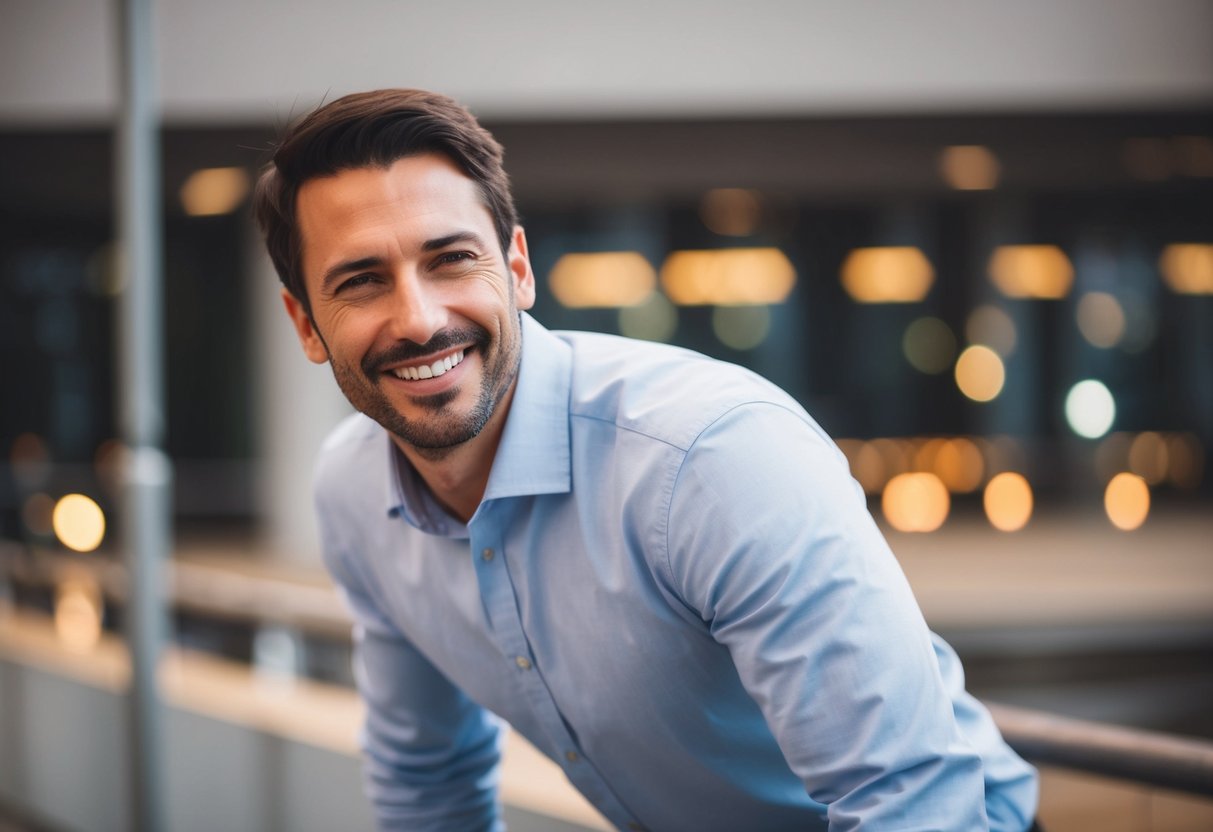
653	565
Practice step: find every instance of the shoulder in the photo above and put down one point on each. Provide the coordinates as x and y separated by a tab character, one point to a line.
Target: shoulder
667	393
349	455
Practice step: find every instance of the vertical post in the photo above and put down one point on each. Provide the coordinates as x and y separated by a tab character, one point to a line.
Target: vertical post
148	471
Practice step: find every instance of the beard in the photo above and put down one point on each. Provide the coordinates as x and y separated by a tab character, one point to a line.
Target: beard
439	427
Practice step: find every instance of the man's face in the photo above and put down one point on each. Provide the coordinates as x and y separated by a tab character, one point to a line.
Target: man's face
413	302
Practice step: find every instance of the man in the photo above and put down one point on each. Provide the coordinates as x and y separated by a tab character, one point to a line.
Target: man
653	565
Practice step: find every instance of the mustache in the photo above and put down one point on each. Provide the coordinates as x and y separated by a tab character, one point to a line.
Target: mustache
373	364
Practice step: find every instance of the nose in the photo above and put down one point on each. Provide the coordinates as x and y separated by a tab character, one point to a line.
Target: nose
417	311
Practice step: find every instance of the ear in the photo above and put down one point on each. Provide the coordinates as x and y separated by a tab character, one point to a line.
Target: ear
313	345
519	263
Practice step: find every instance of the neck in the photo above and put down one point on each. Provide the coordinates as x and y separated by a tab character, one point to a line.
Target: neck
458	476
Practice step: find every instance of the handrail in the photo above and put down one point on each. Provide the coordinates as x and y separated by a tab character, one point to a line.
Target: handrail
1147	757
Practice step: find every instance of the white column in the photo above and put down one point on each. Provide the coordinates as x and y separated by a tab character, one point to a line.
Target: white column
296	404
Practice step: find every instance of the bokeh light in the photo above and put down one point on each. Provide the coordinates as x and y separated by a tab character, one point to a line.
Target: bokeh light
1148	457
1187	268
741	327
969	167
602	279
929	345
915	502
1031	271
653	319
78	522
980	374
36	513
728	277
732	212
1008	501
1090	409
31	460
959	465
989	325
1127	501
1186	458
214	191
893	274
78	611
1101	319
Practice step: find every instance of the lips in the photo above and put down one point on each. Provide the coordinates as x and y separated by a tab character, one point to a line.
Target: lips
417	372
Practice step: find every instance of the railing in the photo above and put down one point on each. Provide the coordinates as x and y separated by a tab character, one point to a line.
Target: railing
306	602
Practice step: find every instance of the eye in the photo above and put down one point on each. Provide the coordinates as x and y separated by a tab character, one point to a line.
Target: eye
451	258
355	281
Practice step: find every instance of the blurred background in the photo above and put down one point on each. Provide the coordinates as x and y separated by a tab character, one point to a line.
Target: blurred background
974	240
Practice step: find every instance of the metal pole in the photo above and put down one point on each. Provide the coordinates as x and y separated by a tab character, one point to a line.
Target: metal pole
148	471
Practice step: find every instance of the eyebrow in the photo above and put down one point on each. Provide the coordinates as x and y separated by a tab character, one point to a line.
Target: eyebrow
347	266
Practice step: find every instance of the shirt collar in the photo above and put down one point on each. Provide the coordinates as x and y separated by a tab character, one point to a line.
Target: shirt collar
533	455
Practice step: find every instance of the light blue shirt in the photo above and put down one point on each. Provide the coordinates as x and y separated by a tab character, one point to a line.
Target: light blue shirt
673	588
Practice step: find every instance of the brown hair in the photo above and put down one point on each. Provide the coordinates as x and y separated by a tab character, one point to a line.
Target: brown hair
373	129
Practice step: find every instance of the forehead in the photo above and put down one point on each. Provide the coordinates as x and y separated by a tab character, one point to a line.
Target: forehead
414	199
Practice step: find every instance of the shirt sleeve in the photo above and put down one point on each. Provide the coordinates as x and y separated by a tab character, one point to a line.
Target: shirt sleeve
430	754
771	543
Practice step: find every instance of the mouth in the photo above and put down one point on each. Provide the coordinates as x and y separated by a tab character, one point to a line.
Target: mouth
432	369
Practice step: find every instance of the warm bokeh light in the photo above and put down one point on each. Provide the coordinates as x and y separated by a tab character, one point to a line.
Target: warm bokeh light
1186	458
602	279
31	460
653	319
1002	453
1127	501
213	191
78	610
741	327
36	513
969	167
728	277
1008	501
1112	455
1148	457
989	325
916	502
1194	155
78	522
959	465
896	454
869	468
1032	271
1147	159
733	212
1187	268
892	274
1101	319
980	374
929	345
1090	409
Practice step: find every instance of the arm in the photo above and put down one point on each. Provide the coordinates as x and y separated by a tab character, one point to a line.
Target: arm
430	754
770	541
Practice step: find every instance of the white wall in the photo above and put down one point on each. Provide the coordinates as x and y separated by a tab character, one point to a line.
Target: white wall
267	59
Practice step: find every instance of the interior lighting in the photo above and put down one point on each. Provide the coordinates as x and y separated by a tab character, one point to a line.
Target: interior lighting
1186	458
890	274
1032	271
980	374
970	167
989	325
1148	457
653	319
1127	501
929	345
926	452
1090	409
869	468
1101	320
1007	500
959	465
214	191
78	610
728	277
602	279
741	327
78	522
915	502
1187	268
733	212
897	455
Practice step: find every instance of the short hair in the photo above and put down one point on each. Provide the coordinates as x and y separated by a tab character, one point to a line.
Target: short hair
373	129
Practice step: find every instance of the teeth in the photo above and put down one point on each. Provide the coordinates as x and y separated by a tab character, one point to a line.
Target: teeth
429	370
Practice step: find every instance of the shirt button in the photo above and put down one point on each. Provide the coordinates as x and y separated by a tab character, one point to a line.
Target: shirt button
487	554
571	756
523	662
